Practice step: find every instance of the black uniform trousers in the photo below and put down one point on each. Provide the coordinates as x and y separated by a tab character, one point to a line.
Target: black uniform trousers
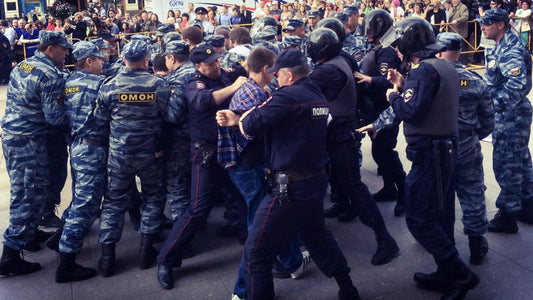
344	159
275	224
431	225
389	164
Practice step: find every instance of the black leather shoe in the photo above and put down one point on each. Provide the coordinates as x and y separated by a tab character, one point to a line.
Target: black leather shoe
50	220
351	294
436	281
69	271
12	263
478	249
334	210
53	242
279	271
106	263
385	195
386	251
504	223
147	253
459	288
165	277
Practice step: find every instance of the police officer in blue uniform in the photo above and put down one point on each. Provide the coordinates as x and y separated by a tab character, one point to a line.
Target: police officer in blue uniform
508	76
476	121
428	107
334	77
88	157
206	92
134	103
373	85
296	159
34	104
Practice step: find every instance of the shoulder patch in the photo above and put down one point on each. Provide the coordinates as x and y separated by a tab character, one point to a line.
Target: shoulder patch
415	66
515	71
5	45
136	97
464	83
320	112
383	68
72	90
200	84
26	67
491	63
408	94
358	56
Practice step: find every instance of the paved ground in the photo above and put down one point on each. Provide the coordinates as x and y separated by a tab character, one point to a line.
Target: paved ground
506	274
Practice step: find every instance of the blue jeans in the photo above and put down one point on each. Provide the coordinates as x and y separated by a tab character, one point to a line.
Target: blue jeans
252	185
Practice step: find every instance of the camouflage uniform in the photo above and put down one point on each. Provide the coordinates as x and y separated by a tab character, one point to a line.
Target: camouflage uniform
88	158
232	58
476	121
132	102
508	78
177	156
34	102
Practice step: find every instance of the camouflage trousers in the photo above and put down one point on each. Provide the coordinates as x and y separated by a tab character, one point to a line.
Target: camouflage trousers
88	165
511	157
470	186
27	165
122	168
178	177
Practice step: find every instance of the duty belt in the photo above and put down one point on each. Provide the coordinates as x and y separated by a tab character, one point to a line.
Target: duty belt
92	142
295	176
467	133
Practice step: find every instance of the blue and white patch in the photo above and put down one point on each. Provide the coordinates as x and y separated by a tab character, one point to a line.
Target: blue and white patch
383	68
408	94
200	85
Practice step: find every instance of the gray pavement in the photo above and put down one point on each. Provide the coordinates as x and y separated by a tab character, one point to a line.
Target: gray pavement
507	272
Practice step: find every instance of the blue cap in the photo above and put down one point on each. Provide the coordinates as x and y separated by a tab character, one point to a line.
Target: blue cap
54	38
196	22
267	45
215	40
165	28
451	40
291	41
293	24
341	16
313	14
99	42
288	59
140	37
136	51
204	53
84	49
492	16
350	9
177	47
264	36
108	36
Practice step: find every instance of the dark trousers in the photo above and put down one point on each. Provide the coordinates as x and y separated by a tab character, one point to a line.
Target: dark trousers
430	225
275	224
57	167
389	164
344	158
205	181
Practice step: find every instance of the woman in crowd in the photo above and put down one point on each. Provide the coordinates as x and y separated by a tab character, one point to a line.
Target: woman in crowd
435	15
184	21
212	18
330	8
522	22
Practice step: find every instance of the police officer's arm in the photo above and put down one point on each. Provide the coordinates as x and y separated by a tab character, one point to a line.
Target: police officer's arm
102	112
220	95
176	108
515	88
485	113
271	113
388	60
52	100
420	88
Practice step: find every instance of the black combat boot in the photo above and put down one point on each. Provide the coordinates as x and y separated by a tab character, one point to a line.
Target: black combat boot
436	281
68	270
334	210
478	248
388	192
147	252
387	247
526	214
53	242
106	263
165	277
503	222
462	279
347	291
12	263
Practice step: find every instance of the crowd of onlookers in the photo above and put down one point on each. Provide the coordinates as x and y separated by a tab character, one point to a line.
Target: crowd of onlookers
25	29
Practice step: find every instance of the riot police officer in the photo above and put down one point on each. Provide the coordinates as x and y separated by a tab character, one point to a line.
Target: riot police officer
373	85
428	107
334	77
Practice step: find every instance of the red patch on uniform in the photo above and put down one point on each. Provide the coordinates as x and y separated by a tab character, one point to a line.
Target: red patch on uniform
515	71
358	56
200	85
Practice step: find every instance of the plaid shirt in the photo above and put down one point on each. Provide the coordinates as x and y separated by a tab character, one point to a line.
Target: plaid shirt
230	140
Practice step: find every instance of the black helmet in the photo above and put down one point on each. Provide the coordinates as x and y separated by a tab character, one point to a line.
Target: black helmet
414	36
262	22
376	23
323	43
169	37
335	25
